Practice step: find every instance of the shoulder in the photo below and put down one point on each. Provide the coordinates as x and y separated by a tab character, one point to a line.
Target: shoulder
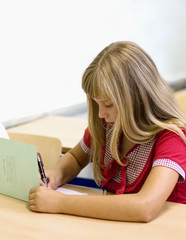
167	137
87	138
171	146
85	142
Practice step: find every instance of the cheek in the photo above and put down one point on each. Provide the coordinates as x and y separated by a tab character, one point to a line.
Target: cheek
114	115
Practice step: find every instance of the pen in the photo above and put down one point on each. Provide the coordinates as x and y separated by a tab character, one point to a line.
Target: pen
41	169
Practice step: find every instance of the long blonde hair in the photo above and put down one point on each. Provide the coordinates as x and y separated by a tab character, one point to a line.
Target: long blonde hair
125	74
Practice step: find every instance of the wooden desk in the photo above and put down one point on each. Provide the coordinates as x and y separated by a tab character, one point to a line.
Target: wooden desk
68	129
17	223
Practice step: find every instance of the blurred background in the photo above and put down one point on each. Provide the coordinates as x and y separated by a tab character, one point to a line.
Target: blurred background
45	46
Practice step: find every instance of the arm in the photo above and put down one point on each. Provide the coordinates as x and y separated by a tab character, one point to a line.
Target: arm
141	207
68	167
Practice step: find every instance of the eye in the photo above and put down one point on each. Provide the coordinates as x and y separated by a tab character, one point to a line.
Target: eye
109	104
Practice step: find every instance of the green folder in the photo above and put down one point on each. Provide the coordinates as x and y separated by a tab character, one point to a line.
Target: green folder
18	168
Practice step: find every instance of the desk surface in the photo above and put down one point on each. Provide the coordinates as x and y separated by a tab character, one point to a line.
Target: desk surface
17	222
68	129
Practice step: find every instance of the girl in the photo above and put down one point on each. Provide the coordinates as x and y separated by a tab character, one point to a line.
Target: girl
135	139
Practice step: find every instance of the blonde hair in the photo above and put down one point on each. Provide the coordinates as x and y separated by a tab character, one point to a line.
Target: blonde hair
125	74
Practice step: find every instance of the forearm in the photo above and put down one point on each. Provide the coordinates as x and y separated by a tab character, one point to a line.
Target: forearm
68	168
71	164
111	207
125	207
141	207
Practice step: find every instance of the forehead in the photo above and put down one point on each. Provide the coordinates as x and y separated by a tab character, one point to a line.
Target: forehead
97	86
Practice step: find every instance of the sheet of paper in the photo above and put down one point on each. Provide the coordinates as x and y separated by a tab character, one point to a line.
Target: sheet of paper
3	133
69	191
18	168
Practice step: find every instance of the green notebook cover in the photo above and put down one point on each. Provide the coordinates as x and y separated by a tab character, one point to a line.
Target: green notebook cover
18	168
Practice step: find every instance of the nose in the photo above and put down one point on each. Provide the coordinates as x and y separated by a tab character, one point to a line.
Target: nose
102	112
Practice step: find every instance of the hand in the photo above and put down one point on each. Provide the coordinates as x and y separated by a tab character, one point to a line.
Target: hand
53	178
43	199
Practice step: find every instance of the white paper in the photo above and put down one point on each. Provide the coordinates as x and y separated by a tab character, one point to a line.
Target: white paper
3	133
69	191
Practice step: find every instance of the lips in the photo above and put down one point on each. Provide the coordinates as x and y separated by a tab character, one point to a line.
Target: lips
110	123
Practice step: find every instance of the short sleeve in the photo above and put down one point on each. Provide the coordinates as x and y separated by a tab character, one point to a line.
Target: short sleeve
170	151
86	141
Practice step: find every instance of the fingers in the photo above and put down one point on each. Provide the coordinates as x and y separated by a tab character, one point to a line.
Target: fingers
43	199
33	190
51	177
34	198
31	202
42	183
52	183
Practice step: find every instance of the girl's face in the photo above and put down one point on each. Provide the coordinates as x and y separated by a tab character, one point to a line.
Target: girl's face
107	111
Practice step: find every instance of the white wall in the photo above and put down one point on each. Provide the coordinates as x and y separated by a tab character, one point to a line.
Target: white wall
46	45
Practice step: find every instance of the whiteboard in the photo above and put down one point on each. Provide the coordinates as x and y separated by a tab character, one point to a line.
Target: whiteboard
45	46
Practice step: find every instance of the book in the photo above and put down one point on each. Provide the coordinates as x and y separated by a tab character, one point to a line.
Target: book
18	168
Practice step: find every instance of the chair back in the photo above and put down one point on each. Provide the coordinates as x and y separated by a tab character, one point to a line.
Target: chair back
50	148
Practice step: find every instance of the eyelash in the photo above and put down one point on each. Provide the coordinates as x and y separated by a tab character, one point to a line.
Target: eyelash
109	105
